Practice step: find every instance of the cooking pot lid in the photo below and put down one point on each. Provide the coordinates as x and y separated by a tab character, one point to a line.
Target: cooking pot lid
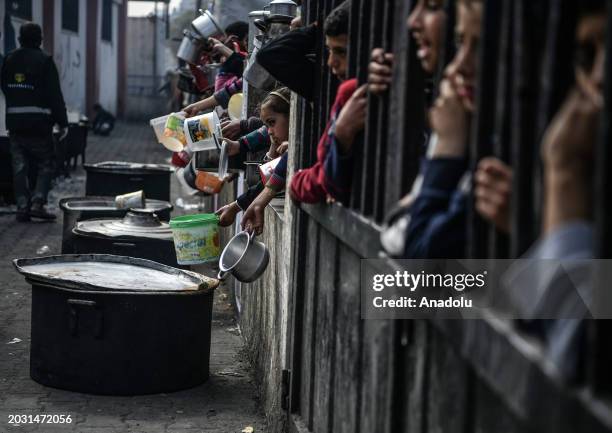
142	223
127	167
103	272
107	204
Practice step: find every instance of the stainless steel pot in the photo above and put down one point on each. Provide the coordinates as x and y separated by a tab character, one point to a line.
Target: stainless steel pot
244	257
256	75
212	70
253	29
191	47
207	26
282	8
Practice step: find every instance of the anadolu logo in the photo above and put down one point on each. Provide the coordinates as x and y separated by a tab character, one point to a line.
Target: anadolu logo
20	78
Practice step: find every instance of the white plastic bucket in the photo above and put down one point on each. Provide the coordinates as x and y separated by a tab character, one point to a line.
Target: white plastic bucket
199	131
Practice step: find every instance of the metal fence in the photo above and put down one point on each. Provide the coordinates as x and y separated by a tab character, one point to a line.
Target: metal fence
351	375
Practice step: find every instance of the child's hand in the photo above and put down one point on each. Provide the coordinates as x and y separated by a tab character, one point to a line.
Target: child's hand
231	129
380	71
232	147
493	191
282	148
351	119
227	214
450	121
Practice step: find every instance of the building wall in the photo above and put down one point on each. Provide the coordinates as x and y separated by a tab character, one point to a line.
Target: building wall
107	62
69	54
146	67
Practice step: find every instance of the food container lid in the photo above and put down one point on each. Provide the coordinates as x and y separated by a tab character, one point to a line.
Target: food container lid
141	223
187	221
104	272
94	203
127	167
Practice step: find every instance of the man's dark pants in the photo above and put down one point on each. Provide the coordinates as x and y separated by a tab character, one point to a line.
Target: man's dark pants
29	149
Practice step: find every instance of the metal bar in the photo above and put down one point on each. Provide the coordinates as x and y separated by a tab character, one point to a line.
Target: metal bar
527	51
483	119
497	241
369	168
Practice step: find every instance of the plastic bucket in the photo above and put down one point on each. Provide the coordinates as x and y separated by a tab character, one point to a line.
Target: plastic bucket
196	238
199	131
169	131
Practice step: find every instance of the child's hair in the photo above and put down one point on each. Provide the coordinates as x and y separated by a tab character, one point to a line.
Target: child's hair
278	101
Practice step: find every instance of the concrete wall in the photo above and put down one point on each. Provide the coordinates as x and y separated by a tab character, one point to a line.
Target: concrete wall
146	67
69	56
107	62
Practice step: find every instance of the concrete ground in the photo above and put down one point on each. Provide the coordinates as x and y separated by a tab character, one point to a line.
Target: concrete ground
226	403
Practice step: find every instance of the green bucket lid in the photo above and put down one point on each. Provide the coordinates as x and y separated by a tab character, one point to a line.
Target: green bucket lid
187	221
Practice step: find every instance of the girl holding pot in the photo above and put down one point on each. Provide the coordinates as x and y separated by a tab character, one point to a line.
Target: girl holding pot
274	112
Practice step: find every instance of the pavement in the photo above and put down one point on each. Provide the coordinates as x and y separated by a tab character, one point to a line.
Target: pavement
226	403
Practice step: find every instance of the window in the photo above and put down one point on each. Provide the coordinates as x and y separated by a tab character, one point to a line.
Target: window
107	20
70	15
20	9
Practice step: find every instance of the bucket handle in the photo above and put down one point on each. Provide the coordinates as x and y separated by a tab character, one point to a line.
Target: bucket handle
221	275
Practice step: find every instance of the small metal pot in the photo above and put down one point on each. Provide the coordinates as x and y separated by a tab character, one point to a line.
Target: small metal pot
256	75
191	47
207	26
244	257
212	70
253	29
282	9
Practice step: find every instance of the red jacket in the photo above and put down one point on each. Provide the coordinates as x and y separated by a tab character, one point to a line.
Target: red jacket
309	185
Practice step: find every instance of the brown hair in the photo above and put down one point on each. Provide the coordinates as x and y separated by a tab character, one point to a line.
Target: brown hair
278	101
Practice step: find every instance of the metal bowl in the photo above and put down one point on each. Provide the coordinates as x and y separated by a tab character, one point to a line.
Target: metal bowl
207	26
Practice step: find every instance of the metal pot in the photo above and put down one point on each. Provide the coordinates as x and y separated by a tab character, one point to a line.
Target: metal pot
191	47
112	178
282	9
77	209
139	234
212	70
244	257
207	26
256	75
117	325
253	29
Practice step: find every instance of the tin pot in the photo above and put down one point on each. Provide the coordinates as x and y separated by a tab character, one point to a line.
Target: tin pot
256	75
207	26
77	209
282	9
253	29
244	257
212	70
113	178
114	325
191	47
139	234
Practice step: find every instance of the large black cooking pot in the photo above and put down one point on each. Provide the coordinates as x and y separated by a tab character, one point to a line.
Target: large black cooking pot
138	234
116	325
113	178
85	208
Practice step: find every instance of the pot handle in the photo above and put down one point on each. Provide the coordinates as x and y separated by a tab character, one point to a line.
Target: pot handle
74	316
221	275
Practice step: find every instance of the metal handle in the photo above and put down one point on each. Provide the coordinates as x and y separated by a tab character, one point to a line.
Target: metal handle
221	275
74	316
124	245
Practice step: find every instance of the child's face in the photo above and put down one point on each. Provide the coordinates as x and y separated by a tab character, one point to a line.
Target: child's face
462	70
337	55
590	56
426	22
277	123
